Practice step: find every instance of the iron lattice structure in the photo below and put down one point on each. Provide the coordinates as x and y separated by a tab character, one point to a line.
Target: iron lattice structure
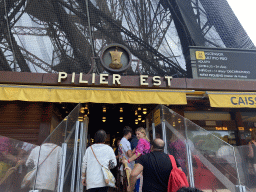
68	35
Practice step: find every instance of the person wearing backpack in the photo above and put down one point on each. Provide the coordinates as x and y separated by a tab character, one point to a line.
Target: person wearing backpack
156	167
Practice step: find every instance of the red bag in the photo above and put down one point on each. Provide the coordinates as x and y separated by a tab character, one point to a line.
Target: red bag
177	178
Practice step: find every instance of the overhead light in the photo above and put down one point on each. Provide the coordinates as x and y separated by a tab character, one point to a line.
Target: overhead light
82	110
143	121
86	106
179	120
121	119
136	122
136	112
104	119
139	118
80	118
63	107
121	109
66	111
104	109
117	132
139	108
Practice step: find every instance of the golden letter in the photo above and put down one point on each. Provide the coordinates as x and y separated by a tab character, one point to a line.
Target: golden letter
169	78
73	77
62	75
93	78
81	79
143	78
103	78
116	79
156	81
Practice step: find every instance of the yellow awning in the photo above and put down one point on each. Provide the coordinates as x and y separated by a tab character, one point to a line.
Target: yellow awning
92	94
232	99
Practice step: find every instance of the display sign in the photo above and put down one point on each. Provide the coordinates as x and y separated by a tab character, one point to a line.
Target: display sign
157	117
232	99
223	63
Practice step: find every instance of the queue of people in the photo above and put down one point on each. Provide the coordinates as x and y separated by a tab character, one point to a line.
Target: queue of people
148	165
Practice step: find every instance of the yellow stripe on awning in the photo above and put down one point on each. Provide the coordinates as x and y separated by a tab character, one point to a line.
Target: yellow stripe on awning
92	94
232	99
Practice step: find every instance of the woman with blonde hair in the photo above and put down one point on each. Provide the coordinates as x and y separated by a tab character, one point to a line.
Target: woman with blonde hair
143	146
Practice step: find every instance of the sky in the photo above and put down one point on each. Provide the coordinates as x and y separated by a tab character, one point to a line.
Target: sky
245	11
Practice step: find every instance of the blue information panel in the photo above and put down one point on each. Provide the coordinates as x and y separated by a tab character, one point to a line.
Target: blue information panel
223	63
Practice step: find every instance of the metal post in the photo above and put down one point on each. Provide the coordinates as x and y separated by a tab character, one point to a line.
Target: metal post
74	159
240	188
82	148
189	158
147	128
62	167
154	130
78	179
153	126
164	135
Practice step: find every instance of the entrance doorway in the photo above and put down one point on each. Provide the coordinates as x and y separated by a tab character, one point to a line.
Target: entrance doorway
113	117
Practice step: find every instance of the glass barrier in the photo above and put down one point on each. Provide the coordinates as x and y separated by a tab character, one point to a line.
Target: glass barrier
210	163
213	160
51	166
13	163
247	165
53	160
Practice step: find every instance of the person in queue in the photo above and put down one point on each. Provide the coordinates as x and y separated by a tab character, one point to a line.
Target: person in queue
156	167
125	146
92	175
142	148
47	158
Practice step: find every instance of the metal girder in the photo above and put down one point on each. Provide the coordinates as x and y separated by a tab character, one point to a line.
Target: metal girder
24	30
33	59
129	37
16	52
4	65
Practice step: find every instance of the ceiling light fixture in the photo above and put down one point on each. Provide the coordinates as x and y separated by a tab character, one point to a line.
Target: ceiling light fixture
121	110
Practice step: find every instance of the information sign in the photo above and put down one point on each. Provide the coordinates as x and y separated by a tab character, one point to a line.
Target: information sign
223	63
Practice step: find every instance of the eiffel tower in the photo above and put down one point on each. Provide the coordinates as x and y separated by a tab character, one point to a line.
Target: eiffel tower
49	36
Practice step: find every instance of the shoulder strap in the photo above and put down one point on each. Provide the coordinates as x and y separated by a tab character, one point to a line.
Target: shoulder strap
174	165
95	156
49	154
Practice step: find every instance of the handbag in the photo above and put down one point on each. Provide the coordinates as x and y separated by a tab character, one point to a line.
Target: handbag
29	178
108	176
